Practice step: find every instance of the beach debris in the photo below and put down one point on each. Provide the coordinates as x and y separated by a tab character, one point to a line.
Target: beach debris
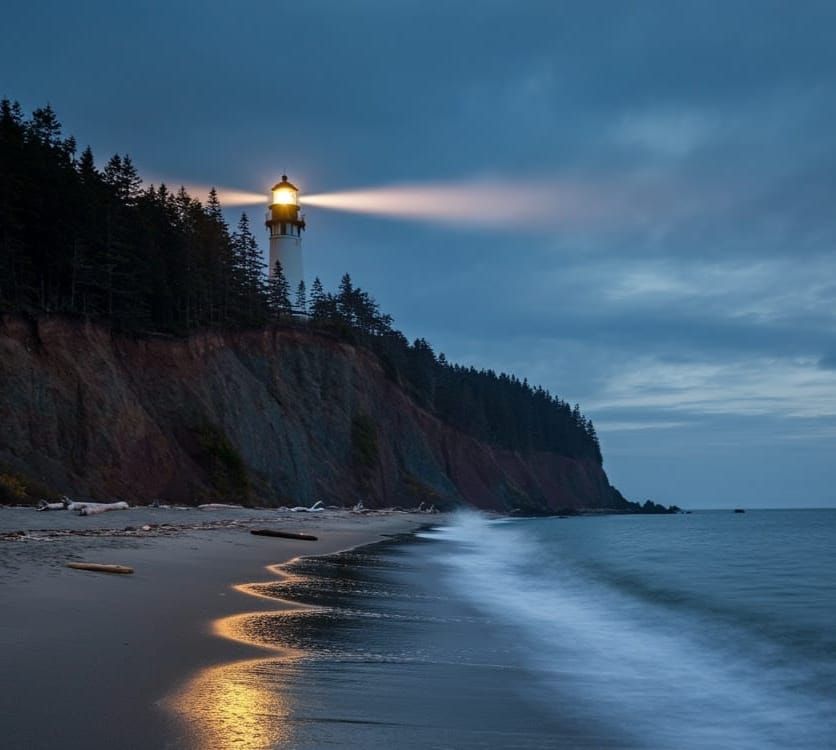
63	503
78	504
101	567
44	505
218	506
93	509
317	507
75	504
283	534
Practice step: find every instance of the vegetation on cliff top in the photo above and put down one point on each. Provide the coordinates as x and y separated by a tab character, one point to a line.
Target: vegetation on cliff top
82	240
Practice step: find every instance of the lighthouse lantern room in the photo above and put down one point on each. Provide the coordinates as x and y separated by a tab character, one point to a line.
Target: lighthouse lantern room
286	225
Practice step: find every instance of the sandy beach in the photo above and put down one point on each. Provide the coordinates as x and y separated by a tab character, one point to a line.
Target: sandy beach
91	659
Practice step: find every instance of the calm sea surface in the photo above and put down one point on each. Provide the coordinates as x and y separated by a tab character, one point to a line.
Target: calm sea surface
708	630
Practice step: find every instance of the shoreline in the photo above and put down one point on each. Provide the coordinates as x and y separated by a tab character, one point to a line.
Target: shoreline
96	657
220	704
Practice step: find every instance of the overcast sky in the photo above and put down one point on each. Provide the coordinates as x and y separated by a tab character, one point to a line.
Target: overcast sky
686	295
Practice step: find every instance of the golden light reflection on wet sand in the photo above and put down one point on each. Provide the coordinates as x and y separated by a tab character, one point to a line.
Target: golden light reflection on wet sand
229	707
240	706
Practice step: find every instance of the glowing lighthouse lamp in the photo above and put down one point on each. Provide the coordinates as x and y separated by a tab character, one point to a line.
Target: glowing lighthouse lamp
286	225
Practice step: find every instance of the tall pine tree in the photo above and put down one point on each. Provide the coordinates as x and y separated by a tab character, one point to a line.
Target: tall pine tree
345	299
278	293
301	299
248	260
317	300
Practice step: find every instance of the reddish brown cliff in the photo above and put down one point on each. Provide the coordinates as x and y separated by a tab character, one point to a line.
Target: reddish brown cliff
273	416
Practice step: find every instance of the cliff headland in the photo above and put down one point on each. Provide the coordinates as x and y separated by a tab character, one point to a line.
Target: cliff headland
271	416
145	355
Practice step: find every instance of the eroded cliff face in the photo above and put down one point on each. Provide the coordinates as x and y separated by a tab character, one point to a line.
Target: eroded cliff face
273	416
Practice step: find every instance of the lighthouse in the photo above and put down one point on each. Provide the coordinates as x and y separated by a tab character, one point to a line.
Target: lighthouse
286	225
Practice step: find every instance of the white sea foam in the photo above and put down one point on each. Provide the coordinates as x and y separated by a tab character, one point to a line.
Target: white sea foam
662	675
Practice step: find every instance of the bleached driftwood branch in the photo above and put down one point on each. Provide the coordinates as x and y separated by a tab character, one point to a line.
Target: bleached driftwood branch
315	508
44	505
92	509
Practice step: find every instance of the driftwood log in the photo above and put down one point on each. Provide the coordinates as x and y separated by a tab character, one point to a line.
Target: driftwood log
101	567
283	534
43	505
93	509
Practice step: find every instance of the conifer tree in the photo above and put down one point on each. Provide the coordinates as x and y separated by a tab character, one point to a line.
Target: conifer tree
184	205
112	170
249	261
131	182
87	166
301	298
121	175
278	293
213	207
247	256
317	300
345	299
11	116
45	127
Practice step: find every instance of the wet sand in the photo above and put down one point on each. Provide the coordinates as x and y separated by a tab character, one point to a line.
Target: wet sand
88	659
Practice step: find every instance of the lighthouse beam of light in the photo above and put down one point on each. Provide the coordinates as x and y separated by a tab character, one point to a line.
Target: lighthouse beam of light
567	203
229	197
233	198
626	201
482	203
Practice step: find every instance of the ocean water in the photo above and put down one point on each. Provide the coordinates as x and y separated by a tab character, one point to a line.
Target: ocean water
708	630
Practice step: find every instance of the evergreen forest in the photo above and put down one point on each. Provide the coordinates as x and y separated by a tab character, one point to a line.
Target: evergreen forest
81	239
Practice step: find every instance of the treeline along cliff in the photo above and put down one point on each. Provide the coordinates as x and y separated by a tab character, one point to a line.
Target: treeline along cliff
144	354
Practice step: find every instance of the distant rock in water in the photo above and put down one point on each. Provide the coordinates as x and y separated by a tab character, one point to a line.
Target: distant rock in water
273	416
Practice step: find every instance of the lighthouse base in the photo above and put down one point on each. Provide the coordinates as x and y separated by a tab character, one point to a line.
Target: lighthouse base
288	251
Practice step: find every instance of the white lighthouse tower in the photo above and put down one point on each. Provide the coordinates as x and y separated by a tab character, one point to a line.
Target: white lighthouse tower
286	225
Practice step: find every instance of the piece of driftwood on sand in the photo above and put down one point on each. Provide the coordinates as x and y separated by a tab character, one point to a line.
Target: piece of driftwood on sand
283	534
93	509
100	567
317	507
44	505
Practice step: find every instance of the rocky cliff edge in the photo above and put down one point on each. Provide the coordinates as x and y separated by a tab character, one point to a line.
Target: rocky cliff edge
271	416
